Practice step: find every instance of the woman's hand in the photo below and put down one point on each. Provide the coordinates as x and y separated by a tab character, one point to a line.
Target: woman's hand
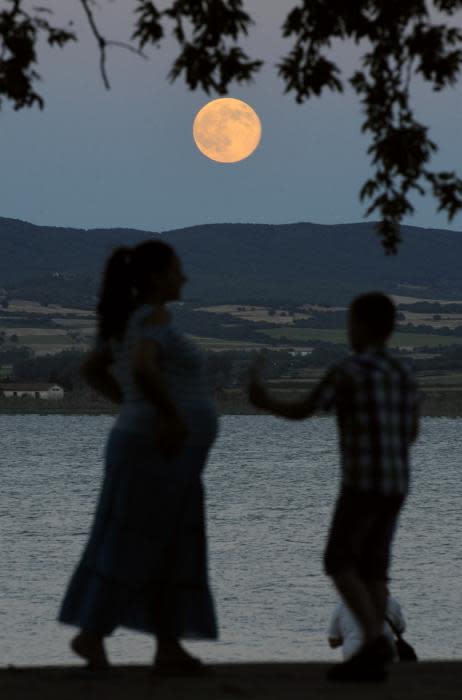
171	435
95	370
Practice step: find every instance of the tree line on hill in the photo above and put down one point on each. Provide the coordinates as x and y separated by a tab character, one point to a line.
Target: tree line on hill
236	263
225	370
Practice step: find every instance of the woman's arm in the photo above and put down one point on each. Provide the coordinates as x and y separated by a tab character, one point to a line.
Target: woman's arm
149	378
95	370
171	431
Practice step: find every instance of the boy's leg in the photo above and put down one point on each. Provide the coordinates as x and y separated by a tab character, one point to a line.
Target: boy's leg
378	592
362	603
357	559
375	558
342	557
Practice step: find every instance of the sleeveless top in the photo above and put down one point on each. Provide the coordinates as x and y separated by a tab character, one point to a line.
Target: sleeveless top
183	371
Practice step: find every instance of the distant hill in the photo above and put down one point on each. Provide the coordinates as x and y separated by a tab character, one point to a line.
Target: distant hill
240	263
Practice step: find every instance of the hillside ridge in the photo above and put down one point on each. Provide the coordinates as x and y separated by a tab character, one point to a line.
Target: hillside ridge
239	263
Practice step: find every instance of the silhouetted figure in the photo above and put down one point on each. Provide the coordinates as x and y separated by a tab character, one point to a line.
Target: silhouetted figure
145	564
374	396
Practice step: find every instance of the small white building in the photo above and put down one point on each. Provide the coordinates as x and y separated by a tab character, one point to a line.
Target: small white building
15	390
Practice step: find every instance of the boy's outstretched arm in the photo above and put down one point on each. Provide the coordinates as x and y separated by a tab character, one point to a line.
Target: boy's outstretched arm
261	398
295	410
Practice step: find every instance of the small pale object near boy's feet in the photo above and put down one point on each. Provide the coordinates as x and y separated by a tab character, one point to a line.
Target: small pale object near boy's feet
368	665
92	651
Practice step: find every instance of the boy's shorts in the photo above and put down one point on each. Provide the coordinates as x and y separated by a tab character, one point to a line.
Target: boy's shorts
361	533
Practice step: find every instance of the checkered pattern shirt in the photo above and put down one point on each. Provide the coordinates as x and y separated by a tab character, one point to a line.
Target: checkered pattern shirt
375	398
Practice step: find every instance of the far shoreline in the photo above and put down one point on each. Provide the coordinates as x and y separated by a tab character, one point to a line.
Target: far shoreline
435	403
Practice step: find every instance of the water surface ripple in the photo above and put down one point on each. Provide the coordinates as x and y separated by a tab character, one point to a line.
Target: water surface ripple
271	486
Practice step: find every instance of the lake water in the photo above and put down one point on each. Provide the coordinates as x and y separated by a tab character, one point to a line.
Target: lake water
271	486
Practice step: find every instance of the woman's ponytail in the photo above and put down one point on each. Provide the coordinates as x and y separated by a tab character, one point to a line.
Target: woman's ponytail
116	299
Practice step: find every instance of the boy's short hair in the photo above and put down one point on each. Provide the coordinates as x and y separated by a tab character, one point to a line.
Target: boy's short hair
377	312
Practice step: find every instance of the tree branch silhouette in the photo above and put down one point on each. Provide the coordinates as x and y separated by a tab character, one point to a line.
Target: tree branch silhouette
403	42
103	43
19	33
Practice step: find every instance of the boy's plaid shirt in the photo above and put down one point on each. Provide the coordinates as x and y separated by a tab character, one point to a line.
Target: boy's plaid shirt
375	398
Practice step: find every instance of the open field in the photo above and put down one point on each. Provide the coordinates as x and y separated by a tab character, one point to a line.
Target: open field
25	319
31	339
44	348
338	335
446	320
84	324
49	333
399	299
54	340
280	317
441	379
256	313
33	307
46	340
221	345
75	328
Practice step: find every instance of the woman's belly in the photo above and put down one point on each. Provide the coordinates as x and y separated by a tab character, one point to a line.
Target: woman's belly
199	415
201	420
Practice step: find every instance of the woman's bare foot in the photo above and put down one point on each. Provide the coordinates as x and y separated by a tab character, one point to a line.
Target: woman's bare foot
90	647
172	660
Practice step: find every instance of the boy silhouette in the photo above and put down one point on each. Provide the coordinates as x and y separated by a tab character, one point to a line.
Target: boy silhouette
374	396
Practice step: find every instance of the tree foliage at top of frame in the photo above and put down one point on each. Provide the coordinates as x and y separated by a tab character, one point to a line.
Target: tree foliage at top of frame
400	41
20	30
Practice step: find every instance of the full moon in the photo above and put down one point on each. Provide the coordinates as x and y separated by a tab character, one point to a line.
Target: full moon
227	130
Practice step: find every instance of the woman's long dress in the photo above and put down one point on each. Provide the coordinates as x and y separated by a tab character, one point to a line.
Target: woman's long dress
145	564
